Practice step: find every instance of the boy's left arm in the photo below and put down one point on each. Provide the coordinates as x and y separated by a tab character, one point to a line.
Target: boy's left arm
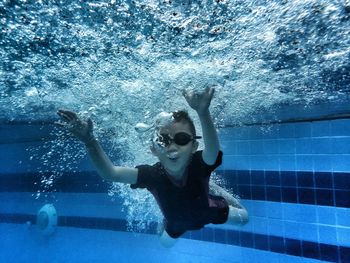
210	137
200	102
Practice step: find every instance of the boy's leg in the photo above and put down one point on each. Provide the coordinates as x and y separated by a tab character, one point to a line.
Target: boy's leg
214	189
237	216
237	212
166	240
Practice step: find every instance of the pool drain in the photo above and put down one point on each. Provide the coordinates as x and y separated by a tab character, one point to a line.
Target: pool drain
46	219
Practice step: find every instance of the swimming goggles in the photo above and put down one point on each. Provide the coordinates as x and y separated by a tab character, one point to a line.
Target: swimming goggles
180	138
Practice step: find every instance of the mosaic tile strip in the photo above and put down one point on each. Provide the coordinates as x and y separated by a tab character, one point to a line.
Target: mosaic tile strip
317	188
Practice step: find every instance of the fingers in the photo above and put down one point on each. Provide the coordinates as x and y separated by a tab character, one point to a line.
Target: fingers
67	115
59	123
90	124
206	94
211	93
188	94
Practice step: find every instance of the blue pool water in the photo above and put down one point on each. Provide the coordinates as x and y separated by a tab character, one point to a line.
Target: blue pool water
281	108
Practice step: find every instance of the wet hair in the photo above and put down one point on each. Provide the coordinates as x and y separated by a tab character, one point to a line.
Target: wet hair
182	115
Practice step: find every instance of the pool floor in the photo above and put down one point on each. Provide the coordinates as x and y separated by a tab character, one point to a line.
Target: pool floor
22	243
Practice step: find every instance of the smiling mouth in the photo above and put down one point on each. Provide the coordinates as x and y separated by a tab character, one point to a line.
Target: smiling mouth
173	156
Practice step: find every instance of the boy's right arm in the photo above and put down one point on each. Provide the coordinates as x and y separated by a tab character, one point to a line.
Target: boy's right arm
105	168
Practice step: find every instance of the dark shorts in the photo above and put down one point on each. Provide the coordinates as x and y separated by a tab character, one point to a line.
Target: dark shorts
217	214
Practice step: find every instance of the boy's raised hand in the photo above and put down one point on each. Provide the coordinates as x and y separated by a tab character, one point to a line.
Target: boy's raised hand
199	101
79	128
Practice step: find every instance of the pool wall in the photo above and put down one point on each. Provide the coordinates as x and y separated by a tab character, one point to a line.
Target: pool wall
293	178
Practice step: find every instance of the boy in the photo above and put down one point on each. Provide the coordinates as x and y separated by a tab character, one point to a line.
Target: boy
180	180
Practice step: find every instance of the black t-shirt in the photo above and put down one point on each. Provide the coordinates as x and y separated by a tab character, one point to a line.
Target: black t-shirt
184	204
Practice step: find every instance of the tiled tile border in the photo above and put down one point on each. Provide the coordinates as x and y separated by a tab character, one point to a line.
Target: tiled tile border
300	248
316	188
69	182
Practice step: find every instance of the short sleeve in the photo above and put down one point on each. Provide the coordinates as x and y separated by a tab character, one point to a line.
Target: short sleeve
145	177
208	168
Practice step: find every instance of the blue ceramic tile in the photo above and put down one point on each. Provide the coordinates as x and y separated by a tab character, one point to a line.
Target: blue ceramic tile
304	162
271	163
286	131
343	234
187	235
324	197
340	163
196	235
257	162
271	146
306	196
340	128
243	177
329	253
273	194
220	235
244	191
258	209
277	244
289	195
120	225
238	162
208	234
342	198
256	133
273	178
229	147
233	237
243	147
304	146
327	215
271	132
288	178
310	249
276	227
321	146
341	181
292	229
293	247
305	179
302	130
344	254
307	214
340	145
231	177
287	146
257	178
343	216
226	133
322	163
246	239
258	193
256	147
287	162
327	234
321	129
152	229
323	180
241	133
261	242
19	218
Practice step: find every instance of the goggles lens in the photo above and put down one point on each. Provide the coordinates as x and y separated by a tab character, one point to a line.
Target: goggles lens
180	138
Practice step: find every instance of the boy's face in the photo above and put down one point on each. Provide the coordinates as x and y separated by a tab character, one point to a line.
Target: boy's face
175	157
